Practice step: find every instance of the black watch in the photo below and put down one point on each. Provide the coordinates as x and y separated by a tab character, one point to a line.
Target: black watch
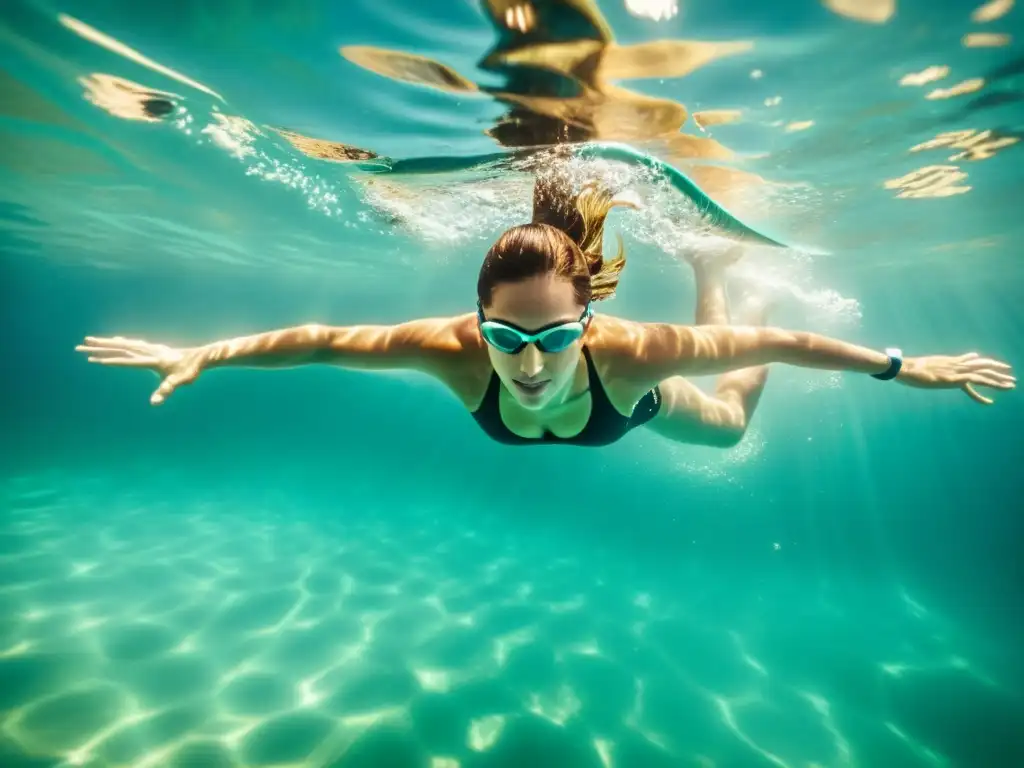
895	364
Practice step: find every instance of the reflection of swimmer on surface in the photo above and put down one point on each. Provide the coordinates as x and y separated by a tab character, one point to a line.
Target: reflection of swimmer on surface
557	73
535	365
557	66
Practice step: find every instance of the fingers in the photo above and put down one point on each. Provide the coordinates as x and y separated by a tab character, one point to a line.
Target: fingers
118	350
167	386
116	342
986	363
984	372
994	380
105	341
172	382
127	362
973	393
972	361
115	356
99	353
991	379
101	350
162	393
1002	378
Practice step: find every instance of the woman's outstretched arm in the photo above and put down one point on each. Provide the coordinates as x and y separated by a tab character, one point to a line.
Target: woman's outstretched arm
434	346
651	352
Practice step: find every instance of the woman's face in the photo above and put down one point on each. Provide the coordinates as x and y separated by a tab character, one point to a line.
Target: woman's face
535	378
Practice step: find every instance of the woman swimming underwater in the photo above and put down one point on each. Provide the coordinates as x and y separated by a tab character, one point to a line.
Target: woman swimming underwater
535	365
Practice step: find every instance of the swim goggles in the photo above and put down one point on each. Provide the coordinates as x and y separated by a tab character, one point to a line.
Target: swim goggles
512	340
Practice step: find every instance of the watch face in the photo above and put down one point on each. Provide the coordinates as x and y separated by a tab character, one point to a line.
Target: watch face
894	352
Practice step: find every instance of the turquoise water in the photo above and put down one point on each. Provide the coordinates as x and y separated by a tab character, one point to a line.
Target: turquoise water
326	568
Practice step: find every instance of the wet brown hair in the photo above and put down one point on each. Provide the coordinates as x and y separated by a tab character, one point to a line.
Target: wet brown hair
565	237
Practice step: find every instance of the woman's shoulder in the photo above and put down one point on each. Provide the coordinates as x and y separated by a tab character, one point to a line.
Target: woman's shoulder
611	336
460	358
618	348
450	338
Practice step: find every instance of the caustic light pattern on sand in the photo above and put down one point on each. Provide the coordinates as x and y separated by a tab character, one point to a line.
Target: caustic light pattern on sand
151	635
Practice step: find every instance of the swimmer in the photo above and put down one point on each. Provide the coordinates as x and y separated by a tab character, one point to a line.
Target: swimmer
534	364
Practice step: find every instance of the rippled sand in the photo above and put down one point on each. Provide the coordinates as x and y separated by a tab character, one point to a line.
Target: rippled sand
140	632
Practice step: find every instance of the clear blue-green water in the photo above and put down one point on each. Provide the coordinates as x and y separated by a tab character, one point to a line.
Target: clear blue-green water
326	568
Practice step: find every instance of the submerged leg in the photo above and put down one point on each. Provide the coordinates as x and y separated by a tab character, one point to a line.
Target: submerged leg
688	415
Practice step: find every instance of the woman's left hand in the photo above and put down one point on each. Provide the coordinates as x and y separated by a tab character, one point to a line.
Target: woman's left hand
964	372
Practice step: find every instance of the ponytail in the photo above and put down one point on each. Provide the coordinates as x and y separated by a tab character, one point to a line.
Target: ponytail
565	237
581	216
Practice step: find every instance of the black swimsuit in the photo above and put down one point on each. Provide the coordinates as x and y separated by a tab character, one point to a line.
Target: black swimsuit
605	425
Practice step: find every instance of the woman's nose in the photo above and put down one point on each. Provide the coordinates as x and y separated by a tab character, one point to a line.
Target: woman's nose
531	361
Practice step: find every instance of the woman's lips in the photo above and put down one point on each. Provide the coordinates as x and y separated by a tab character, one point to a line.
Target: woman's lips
531	387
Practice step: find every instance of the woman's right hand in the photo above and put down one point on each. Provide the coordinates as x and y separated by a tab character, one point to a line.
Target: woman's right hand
176	367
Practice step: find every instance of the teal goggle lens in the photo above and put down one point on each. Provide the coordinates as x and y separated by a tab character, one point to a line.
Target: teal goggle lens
512	341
